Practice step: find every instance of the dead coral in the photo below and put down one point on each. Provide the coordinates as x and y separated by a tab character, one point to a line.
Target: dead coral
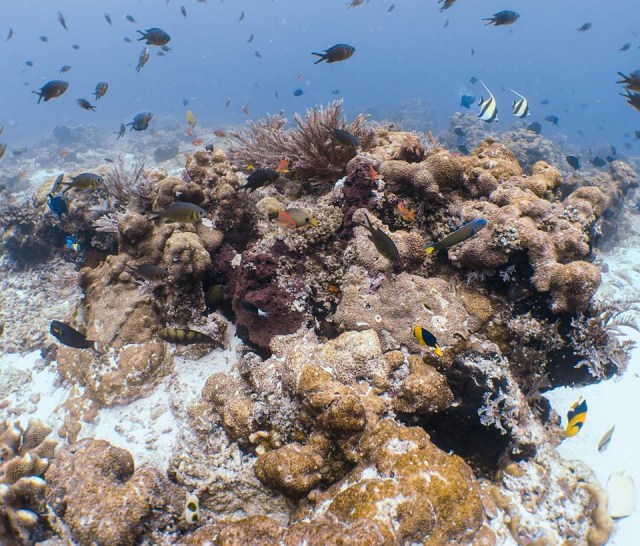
25	456
596	337
309	147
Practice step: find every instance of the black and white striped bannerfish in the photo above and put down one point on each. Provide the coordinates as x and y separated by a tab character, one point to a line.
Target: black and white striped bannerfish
521	106
489	107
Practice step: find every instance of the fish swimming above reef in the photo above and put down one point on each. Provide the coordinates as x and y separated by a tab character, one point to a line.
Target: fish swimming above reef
488	108
466	101
343	137
604	442
425	337
84	181
183	10
632	81
184	336
573	161
576	416
121	132
446	4
597	161
553	120
149	272
69	336
86	105
252	308
259	179
73	244
65	68
298	92
535	127
107	18
142	60
520	107
383	243
57	204
460	235
154	36
101	89
9	35
338	52
625	47
295	218
462	148
51	90
140	121
130	18
585	27
3	149
62	21
180	211
57	183
504	17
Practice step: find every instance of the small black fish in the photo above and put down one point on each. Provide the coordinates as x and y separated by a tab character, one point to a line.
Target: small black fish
62	21
70	337
51	90
154	36
141	121
585	27
625	47
57	204
463	149
75	46
504	17
552	119
466	101
248	306
250	39
573	161
258	54
29	63
241	18
65	68
343	137
637	134
183	10
259	179
338	52
383	243
473	80
130	19
84	103
127	39
298	93
545	101
121	132
107	18
535	127
597	161
458	131
391	8
335	92
9	35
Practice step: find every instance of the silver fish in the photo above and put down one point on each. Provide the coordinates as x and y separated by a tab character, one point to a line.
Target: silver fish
144	57
603	444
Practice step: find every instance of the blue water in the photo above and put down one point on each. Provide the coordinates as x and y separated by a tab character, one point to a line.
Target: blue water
404	54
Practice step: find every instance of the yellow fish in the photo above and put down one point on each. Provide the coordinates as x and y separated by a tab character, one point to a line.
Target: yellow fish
191	119
425	337
576	416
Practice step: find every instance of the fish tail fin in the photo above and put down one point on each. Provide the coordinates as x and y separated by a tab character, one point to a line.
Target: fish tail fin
321	55
151	215
430	248
39	95
438	350
143	35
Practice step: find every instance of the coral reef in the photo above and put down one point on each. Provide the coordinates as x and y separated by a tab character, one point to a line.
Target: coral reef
309	147
25	456
101	497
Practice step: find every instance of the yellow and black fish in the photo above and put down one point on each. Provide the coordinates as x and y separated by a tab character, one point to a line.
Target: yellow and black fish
521	106
425	337
69	336
576	416
489	107
183	336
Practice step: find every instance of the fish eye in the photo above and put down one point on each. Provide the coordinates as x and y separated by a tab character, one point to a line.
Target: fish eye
367	306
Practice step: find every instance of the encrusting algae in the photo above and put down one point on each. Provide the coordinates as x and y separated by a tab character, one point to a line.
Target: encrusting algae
384	394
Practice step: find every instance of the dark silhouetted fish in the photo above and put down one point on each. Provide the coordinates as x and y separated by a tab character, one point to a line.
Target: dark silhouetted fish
597	161
183	10
107	18
585	27
463	149
573	161
140	122
65	68
466	101
383	243
62	21
535	127
51	90
84	103
552	119
130	19
625	47
504	17
338	52
298	92
44	39
259	179
154	36
101	89
121	132
446	4
69	336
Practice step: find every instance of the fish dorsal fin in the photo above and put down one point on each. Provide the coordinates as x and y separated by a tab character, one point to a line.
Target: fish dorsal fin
488	91
515	92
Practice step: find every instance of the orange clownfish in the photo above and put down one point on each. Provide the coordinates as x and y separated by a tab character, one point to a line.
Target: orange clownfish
576	416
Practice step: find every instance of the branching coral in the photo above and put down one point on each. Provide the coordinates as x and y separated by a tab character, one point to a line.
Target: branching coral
309	147
129	186
595	336
24	457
